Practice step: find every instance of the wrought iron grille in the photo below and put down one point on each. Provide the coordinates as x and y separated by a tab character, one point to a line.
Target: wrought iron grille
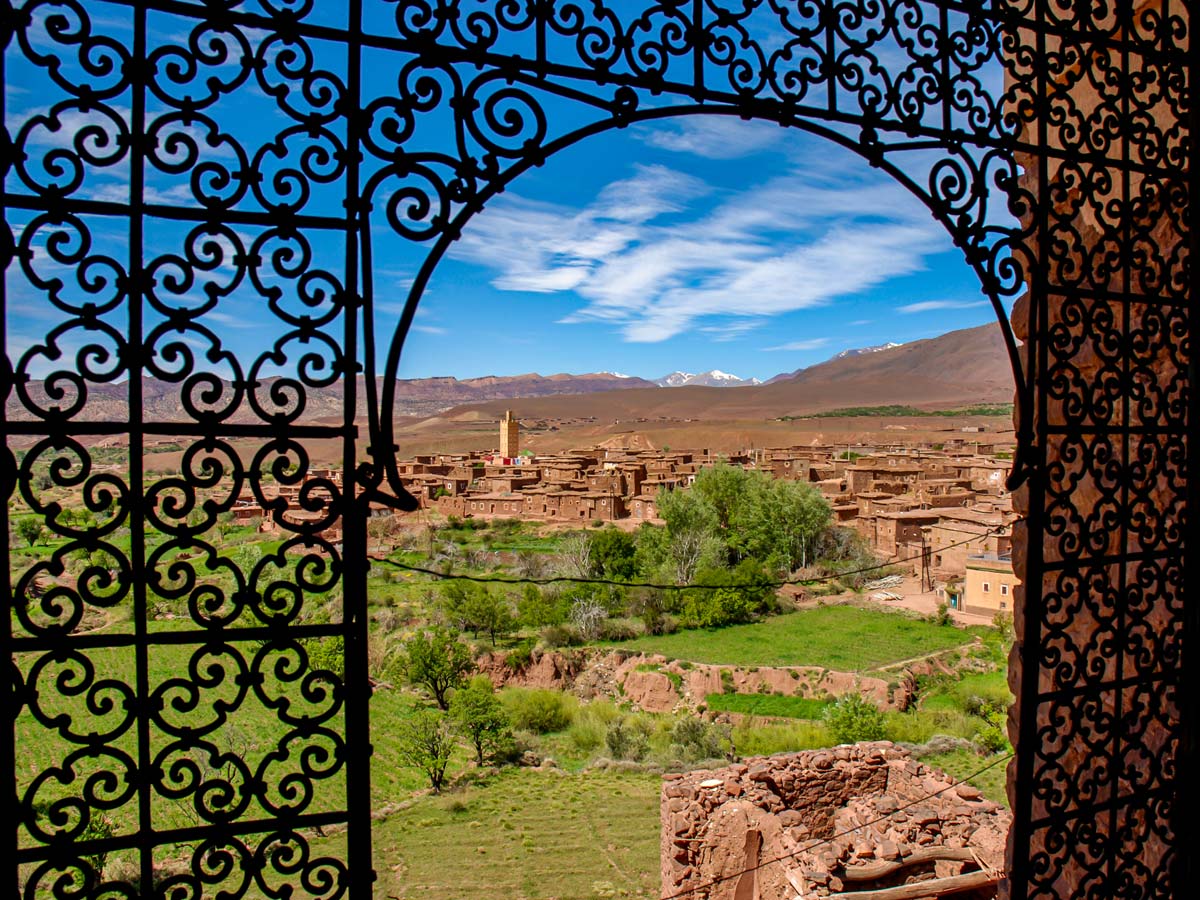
176	169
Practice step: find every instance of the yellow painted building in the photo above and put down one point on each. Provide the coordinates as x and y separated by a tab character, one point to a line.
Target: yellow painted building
989	585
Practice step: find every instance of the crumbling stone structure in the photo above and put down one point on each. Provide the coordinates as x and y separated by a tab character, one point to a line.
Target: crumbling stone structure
829	823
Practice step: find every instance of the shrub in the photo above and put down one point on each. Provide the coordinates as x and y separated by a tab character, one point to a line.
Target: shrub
852	719
618	630
520	656
625	740
587	733
560	636
539	711
694	739
992	735
941	616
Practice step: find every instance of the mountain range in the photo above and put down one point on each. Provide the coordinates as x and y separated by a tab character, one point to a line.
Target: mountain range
961	367
956	369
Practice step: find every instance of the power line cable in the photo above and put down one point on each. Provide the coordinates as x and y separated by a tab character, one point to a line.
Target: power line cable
833	837
572	579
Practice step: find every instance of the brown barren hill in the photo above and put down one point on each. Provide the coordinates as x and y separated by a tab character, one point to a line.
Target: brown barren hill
956	369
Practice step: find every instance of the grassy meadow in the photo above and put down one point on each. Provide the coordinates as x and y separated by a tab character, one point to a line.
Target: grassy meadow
842	638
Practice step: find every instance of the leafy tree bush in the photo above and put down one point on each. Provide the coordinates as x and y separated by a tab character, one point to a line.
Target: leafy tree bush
992	736
490	612
520	656
852	719
538	608
740	594
694	739
554	636
481	717
474	607
29	529
692	533
438	661
780	521
539	711
625	740
425	741
613	553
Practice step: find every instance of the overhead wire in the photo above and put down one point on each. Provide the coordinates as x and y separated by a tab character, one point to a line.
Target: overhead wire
612	582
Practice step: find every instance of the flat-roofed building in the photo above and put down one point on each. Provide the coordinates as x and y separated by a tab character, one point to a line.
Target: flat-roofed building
989	585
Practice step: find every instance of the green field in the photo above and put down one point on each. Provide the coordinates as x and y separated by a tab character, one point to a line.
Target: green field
767	705
962	763
843	638
525	834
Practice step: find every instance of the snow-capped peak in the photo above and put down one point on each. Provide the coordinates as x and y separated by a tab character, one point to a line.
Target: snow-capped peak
712	378
863	351
616	374
675	379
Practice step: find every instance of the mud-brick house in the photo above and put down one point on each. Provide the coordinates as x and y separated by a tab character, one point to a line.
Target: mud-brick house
589	506
960	533
505	505
644	506
894	530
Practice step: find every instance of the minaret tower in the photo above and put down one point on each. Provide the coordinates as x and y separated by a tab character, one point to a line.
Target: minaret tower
510	440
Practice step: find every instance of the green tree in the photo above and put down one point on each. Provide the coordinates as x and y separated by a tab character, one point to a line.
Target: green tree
537	608
613	553
454	604
729	596
692	527
29	529
781	522
438	661
725	487
853	719
651	543
481	717
425	741
489	611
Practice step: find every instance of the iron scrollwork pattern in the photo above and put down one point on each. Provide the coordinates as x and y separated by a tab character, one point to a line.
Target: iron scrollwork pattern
175	170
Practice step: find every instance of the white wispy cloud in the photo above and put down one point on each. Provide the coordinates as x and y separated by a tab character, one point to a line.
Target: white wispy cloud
731	331
428	329
932	305
809	344
788	244
712	137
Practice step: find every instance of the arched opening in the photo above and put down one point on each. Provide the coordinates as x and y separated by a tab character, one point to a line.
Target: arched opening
504	281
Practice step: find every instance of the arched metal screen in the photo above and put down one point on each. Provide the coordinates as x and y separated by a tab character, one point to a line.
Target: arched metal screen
191	193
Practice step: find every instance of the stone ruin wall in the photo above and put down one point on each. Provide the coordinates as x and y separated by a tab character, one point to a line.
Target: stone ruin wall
903	821
1109	322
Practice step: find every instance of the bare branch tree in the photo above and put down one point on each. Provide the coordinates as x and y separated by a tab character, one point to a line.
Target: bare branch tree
577	553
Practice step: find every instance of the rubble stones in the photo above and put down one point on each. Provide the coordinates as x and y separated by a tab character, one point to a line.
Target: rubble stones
826	811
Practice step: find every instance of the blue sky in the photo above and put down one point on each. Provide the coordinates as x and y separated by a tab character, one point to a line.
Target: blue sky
691	243
698	243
